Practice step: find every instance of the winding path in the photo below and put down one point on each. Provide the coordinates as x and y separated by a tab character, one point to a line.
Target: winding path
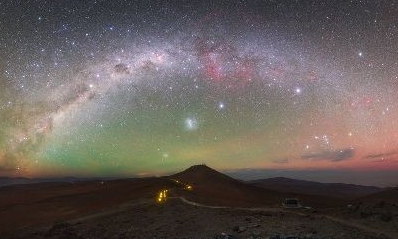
127	206
321	216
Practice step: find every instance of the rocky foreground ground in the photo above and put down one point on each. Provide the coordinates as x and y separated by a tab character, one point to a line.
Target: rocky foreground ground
175	219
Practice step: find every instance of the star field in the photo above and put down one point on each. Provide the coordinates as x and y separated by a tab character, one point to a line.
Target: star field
147	87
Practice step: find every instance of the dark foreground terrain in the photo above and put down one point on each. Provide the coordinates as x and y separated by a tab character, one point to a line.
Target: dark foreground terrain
176	219
200	203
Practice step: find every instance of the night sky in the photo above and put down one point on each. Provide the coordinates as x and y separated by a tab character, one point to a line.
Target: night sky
122	88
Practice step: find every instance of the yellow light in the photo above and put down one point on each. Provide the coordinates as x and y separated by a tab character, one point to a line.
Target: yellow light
162	195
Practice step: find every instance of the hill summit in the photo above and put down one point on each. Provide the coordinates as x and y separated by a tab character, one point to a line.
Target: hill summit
204	175
211	187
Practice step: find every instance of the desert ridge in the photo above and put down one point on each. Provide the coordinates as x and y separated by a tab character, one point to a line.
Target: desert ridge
24	208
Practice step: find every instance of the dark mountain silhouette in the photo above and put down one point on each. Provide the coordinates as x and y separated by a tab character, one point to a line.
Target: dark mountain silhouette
44	203
389	195
214	188
6	181
339	190
204	176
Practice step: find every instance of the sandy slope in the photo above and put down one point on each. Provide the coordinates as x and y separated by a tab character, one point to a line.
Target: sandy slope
177	219
217	204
